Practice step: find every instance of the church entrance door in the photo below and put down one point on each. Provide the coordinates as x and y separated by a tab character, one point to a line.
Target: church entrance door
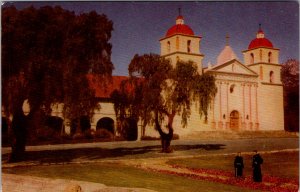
234	120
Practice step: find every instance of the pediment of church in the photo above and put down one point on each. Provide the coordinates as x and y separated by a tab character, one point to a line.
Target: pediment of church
233	67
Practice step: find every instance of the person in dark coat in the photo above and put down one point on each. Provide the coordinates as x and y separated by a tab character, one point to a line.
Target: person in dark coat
238	165
257	161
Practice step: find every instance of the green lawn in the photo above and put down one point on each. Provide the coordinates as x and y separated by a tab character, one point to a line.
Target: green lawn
282	164
123	176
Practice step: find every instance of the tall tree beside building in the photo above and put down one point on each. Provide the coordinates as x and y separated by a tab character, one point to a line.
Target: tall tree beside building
46	55
160	91
290	80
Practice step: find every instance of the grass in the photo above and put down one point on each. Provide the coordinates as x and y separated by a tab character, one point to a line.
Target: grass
281	164
122	176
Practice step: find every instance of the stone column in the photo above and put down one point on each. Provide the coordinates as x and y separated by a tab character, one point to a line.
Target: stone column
213	122
227	107
220	124
256	109
243	119
250	108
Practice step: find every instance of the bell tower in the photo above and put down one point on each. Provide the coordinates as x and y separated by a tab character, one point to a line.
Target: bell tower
180	43
262	57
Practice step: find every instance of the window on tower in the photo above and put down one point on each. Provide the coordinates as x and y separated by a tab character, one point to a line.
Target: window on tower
271	77
251	58
270	57
177	43
169	46
189	46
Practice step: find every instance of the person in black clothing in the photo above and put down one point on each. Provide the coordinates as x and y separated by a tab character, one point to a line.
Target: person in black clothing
257	161
238	165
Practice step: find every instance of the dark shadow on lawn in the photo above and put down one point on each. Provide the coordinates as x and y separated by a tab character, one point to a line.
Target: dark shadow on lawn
60	156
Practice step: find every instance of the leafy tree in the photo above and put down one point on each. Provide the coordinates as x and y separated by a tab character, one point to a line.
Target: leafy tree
46	56
290	81
159	91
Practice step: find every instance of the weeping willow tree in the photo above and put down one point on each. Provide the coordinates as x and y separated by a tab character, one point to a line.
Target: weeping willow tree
159	91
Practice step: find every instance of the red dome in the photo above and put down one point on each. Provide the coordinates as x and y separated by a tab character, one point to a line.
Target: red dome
180	29
260	42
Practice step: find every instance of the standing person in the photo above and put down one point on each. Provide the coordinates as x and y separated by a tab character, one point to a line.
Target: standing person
238	165
257	161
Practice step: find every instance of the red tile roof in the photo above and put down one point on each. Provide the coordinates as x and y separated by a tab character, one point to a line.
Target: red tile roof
104	90
260	42
179	29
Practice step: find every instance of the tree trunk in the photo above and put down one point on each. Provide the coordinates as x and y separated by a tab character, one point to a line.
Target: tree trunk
166	138
19	125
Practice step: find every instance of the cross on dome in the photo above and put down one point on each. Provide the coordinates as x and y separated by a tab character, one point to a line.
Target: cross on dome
260	40
260	33
179	19
227	39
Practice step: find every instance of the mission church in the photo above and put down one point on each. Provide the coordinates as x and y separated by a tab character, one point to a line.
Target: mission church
249	94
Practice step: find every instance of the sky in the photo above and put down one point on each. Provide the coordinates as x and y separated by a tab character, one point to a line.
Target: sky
138	26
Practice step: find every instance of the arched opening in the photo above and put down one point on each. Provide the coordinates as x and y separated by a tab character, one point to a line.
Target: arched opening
107	124
177	43
54	123
130	129
6	140
169	46
269	57
84	123
4	126
251	58
189	46
234	120
271	77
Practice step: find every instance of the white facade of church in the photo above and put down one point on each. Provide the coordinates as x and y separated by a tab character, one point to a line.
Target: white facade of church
249	95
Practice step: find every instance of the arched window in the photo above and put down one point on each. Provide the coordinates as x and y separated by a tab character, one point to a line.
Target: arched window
177	43
261	72
251	58
169	46
269	57
231	89
271	77
177	58
189	46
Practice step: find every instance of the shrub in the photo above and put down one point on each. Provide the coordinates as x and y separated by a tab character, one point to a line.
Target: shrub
103	133
89	133
78	136
175	136
45	133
